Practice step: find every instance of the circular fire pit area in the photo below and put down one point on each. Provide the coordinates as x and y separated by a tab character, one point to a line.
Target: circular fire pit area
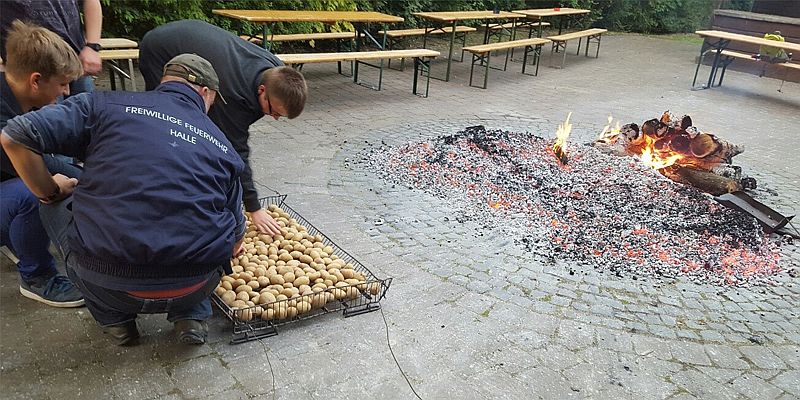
478	259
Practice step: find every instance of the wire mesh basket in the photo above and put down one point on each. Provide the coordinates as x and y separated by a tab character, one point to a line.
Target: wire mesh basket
352	298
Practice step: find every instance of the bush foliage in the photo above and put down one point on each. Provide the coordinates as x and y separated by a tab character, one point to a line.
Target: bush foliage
133	18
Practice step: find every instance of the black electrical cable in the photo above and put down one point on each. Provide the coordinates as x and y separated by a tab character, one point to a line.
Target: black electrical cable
261	184
395	358
271	371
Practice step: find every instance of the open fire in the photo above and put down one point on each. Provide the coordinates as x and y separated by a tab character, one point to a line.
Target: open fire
613	213
560	146
680	151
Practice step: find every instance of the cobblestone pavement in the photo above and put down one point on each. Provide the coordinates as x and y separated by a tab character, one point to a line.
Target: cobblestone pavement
468	317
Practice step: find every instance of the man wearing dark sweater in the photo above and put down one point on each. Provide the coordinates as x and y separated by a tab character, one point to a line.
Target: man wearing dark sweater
157	213
255	84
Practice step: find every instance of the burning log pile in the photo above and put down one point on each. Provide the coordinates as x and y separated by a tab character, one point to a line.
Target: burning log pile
680	151
613	213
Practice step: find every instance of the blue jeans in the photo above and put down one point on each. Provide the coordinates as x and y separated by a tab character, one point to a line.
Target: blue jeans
113	307
84	84
57	218
59	164
22	230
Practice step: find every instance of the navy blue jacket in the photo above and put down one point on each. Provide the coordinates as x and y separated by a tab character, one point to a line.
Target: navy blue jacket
239	65
160	195
10	108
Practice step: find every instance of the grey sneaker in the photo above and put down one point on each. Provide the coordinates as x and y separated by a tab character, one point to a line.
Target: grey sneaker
56	291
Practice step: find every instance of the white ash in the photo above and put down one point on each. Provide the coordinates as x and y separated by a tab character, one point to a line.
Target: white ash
610	212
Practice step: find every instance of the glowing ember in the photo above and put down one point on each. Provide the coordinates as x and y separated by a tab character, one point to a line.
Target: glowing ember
560	147
609	212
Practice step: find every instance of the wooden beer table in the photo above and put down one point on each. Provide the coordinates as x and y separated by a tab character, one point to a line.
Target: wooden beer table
453	17
717	41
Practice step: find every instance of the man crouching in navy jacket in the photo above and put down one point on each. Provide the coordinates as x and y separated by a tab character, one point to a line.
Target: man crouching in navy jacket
157	213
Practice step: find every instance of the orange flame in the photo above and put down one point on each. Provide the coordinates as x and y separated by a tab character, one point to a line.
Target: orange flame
644	148
609	134
560	146
654	158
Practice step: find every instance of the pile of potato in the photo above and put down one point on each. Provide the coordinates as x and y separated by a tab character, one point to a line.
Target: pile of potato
287	275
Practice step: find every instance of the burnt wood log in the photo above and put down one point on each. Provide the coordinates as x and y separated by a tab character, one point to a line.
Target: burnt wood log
708	182
703	145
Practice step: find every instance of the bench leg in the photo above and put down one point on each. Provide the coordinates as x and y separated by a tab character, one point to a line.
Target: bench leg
402	60
579	46
369	84
380	76
727	61
450	51
339	47
339	50
703	48
421	66
133	76
114	70
472	68
525	58
597	40
463	44
396	43
556	47
358	29
480	59
530	35
589	40
112	77
537	53
486	75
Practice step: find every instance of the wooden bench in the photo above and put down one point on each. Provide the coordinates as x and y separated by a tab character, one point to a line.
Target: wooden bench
730	56
511	29
339	37
560	42
114	55
397	38
301	37
481	54
526	25
113	66
422	59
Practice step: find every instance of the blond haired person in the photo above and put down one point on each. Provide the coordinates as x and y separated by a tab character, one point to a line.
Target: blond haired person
39	69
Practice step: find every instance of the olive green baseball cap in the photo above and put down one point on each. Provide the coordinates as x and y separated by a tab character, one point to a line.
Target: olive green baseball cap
194	69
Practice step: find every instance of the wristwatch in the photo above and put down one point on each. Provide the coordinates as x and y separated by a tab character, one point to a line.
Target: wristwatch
94	46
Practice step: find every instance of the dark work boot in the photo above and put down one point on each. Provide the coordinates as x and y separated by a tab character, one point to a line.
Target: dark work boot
124	334
191	331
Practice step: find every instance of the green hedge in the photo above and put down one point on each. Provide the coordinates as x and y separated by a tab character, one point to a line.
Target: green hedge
133	18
